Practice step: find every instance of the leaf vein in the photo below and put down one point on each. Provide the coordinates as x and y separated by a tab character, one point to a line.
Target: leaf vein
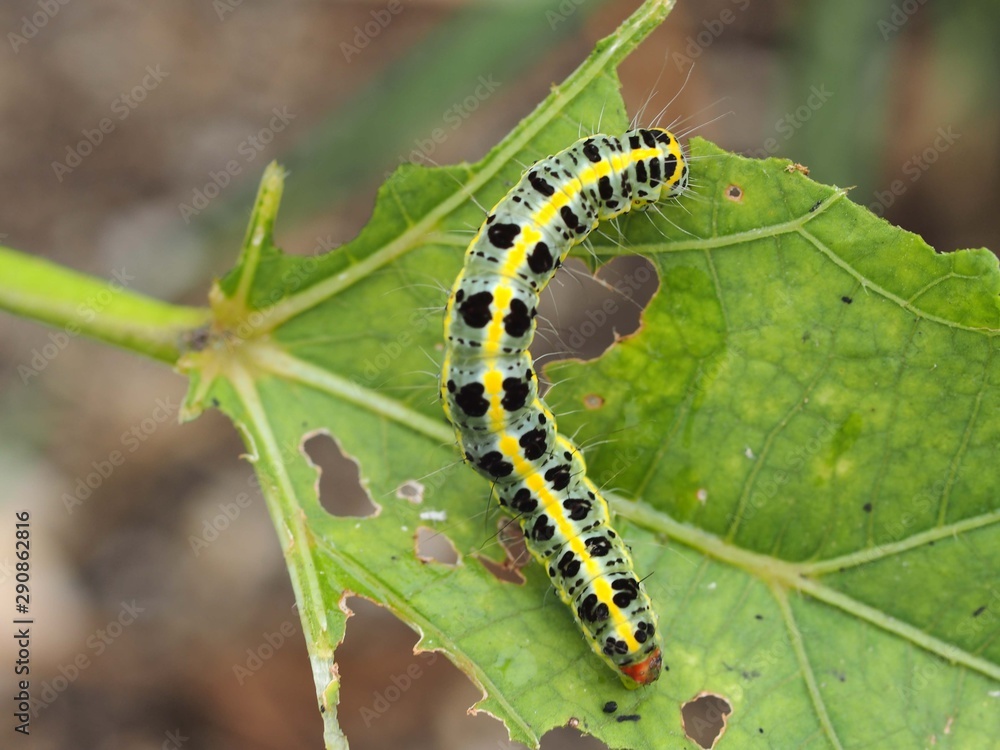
956	460
795	636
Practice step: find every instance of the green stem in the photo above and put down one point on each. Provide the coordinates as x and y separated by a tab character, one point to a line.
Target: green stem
101	309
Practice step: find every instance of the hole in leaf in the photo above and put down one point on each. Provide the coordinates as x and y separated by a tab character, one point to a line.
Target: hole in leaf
393	698
734	193
434	546
581	314
338	482
704	718
502	571
516	554
566	737
511	537
411	490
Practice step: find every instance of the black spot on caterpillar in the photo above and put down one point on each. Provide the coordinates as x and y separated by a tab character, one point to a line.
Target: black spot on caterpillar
490	390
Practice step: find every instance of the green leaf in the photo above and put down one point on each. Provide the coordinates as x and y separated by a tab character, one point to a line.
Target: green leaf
803	427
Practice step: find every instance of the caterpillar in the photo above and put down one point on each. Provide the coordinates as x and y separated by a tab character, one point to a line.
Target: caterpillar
489	387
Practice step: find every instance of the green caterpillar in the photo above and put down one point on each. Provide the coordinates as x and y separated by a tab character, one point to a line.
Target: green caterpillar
490	390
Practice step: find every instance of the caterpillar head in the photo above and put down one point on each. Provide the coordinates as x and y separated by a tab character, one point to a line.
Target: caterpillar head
644	672
675	163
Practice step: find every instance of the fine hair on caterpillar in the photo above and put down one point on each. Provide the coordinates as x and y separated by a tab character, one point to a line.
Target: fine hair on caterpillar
490	389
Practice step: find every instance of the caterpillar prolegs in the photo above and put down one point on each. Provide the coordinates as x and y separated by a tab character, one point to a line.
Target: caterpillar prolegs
490	389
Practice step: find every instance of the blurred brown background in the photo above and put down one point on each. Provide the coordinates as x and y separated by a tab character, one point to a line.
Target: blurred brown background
896	98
